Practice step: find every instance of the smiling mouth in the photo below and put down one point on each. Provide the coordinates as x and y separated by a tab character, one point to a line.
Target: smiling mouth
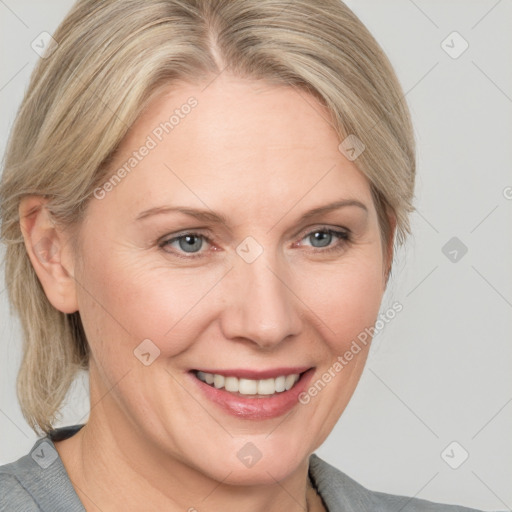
249	388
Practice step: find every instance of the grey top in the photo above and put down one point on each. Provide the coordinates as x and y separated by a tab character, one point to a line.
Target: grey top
38	482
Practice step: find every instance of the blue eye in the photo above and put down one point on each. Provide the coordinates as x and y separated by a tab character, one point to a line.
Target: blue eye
189	244
326	236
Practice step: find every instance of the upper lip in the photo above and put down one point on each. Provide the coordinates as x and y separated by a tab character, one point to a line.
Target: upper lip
244	373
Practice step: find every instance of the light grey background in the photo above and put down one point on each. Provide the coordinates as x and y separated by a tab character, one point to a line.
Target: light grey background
440	371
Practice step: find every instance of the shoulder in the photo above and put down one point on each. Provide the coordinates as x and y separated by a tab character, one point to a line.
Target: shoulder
340	492
14	495
38	481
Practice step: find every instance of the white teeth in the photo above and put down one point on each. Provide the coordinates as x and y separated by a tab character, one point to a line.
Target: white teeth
218	381
289	382
231	384
266	386
250	386
280	383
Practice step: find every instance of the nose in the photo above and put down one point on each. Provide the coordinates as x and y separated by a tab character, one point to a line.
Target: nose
262	306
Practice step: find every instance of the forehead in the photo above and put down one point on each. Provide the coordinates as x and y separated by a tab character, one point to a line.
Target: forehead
257	144
232	111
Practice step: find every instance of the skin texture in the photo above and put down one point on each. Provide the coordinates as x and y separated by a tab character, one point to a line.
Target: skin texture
262	155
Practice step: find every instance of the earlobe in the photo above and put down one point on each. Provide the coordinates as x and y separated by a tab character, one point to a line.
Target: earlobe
49	252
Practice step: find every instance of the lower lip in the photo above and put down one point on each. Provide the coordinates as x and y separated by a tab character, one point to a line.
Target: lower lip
265	407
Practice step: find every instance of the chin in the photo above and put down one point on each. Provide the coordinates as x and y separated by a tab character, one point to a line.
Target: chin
257	462
262	473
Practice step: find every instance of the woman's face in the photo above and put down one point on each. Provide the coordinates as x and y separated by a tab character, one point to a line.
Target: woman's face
267	292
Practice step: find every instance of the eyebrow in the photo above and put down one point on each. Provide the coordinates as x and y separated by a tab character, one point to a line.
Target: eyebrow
215	217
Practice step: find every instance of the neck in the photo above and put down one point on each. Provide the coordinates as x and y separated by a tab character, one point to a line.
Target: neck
112	467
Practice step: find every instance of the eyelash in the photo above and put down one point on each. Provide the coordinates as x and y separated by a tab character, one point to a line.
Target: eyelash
344	239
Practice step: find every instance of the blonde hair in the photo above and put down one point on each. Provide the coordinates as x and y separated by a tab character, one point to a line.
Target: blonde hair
112	58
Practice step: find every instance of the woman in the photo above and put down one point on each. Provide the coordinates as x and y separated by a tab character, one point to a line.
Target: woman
200	200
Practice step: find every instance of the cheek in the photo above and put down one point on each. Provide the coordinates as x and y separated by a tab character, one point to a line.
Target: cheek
128	301
346	298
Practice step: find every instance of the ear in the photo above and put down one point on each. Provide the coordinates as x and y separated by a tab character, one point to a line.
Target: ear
50	252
